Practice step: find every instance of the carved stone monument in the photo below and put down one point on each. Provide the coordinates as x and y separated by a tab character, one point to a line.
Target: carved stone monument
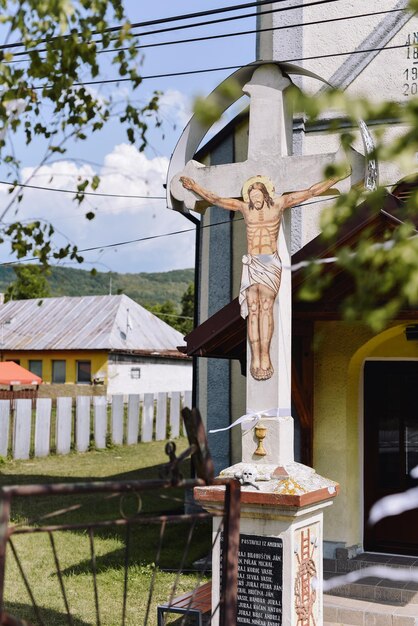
280	560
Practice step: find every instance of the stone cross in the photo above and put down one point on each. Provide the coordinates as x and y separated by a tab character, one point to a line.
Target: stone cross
269	154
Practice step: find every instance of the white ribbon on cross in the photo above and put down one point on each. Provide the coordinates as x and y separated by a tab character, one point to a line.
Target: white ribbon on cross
250	419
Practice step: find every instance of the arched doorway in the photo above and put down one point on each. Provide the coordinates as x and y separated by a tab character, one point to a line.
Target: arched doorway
390	449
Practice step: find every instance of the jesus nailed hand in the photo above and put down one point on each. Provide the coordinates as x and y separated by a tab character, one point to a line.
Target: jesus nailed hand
262	211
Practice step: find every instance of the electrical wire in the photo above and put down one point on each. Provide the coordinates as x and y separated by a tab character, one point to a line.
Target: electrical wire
172	233
187	230
222	20
233	67
228	19
166	20
170	29
253	31
158	236
223	222
261	30
244	33
183	317
85	193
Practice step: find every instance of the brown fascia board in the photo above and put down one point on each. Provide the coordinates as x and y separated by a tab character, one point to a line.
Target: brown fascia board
166	354
365	216
205	336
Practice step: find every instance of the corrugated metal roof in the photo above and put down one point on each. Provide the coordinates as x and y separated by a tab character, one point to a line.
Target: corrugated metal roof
84	323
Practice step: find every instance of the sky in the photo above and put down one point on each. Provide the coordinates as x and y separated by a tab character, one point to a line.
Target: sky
122	168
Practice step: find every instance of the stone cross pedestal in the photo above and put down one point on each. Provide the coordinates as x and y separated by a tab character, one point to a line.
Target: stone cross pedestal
280	561
280	554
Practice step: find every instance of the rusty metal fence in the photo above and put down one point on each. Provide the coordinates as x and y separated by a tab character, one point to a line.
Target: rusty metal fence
113	550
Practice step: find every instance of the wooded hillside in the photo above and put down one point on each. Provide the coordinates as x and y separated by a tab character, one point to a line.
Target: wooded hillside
147	289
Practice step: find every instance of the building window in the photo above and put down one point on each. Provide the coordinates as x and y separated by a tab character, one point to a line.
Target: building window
17	361
83	372
35	367
58	371
135	372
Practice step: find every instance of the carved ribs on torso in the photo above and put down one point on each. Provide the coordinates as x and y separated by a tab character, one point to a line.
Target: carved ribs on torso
263	229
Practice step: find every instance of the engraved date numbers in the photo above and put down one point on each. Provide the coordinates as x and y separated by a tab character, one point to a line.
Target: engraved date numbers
410	74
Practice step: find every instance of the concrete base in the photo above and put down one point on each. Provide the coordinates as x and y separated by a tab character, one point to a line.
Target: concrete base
291	484
280	561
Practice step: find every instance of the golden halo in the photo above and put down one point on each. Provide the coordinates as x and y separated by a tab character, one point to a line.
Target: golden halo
257	179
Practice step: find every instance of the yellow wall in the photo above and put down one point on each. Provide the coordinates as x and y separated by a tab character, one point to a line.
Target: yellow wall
338	414
98	362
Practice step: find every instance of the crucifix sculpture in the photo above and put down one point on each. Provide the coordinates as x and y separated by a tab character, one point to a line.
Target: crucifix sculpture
250	187
262	267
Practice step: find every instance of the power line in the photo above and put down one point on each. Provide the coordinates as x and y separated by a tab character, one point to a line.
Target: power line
211	22
242	33
220	20
159	236
264	30
148	238
233	67
152	76
172	233
229	19
187	230
159	314
174	28
85	193
166	20
236	7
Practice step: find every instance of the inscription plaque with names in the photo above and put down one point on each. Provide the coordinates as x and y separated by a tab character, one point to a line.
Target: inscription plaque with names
260	576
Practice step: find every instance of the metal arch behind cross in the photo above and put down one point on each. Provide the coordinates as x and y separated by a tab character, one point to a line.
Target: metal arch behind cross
194	132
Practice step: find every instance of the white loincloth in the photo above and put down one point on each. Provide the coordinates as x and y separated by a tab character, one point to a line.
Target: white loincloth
259	269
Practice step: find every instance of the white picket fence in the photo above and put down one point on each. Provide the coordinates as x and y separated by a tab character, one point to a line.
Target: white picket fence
90	420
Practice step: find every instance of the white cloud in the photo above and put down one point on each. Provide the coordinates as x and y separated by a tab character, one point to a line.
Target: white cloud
129	172
125	172
176	106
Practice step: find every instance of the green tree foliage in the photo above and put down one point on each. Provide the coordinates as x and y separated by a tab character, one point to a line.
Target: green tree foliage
168	311
146	288
384	268
187	309
61	43
31	282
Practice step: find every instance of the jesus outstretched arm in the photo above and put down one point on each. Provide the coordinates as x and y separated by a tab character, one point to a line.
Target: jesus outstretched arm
297	197
231	204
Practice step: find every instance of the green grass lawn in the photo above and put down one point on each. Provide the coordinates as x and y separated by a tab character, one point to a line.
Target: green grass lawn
73	548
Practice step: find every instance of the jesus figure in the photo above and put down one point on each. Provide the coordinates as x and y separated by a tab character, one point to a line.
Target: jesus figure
262	268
